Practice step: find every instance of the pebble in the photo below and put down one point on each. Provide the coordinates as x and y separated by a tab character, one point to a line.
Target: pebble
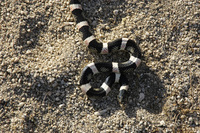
29	43
187	39
28	51
57	99
162	123
101	112
190	120
115	12
141	97
9	70
100	124
21	104
61	105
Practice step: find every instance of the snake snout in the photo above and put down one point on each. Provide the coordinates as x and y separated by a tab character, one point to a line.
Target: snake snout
123	97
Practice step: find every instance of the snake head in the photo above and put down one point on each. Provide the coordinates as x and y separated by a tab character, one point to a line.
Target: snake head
123	98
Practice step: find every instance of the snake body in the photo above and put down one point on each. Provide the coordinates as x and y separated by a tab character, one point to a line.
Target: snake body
117	70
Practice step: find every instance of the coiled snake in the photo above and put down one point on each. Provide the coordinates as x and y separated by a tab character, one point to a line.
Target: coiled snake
116	70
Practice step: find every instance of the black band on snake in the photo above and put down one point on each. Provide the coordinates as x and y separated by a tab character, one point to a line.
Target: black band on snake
115	69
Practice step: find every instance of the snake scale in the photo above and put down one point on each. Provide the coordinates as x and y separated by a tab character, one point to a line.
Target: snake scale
117	70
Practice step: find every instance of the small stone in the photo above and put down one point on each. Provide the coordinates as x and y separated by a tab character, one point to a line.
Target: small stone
162	123
29	30
126	127
23	98
99	113
141	97
187	39
51	80
57	99
16	59
14	120
115	12
61	105
171	74
190	120
107	27
9	70
100	124
24	115
94	23
13	80
28	51
54	84
183	116
21	104
29	42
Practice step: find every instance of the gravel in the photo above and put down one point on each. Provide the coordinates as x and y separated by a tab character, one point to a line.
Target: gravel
42	55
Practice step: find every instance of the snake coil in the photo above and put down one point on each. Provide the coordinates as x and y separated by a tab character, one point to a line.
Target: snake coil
115	69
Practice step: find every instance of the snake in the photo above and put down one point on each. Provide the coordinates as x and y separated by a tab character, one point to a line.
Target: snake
117	71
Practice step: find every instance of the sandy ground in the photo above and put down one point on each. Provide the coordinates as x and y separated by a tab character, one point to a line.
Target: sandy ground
42	55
